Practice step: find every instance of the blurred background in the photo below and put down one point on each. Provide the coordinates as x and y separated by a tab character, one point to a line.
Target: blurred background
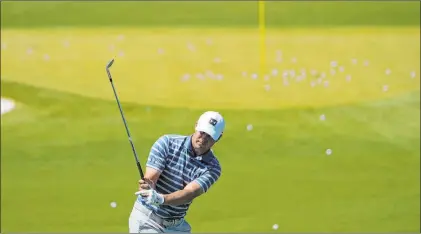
321	101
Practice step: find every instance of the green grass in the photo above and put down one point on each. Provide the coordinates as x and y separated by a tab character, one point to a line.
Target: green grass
207	14
66	157
64	151
146	77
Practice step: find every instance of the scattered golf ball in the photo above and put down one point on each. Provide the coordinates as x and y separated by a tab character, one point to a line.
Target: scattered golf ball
120	37
323	75
354	61
294	60
313	72
200	76
29	51
46	57
185	77
267	87
348	78
286	83
312	84
385	88
254	76
292	73
274	72
266	78
328	151
341	69
388	71
332	72
249	127
219	77
285	74
413	74
113	204
209	74
366	62
322	117
217	60
121	53
326	83
160	51
191	47
275	227
333	64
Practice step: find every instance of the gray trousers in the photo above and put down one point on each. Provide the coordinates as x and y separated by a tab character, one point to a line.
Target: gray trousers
143	220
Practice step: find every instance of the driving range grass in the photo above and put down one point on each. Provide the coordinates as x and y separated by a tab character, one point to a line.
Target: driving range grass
151	63
65	155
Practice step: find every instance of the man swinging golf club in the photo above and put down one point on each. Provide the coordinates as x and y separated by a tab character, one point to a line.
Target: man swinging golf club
179	169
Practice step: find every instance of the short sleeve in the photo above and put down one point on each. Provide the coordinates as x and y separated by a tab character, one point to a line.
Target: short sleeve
158	153
209	178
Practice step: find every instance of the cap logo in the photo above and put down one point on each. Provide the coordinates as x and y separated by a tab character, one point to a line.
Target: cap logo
213	122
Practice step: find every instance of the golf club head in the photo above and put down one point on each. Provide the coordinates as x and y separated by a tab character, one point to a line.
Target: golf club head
110	63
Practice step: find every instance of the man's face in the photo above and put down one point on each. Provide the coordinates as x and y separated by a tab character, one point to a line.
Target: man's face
202	142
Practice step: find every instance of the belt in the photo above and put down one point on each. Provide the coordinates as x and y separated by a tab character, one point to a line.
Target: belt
163	222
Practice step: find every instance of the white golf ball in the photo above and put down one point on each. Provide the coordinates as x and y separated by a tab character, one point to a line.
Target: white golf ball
274	72
160	51
333	64
266	77
354	61
388	71
385	88
249	127
121	53
267	87
113	204
413	74
322	117
217	60
254	76
348	78
366	62
46	57
341	69
312	84
328	151
275	226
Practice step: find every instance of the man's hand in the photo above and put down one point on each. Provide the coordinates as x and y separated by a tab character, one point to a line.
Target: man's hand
151	197
146	184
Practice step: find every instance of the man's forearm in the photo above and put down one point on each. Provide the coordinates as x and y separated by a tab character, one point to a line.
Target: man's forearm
178	198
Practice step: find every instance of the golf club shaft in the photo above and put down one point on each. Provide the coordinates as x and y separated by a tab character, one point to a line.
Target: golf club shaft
125	124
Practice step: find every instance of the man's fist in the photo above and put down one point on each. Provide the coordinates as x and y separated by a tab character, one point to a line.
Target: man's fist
145	185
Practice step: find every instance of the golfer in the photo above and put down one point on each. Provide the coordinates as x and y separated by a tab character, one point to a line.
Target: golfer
179	169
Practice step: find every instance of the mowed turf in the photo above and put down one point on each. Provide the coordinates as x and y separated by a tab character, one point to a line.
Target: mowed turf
65	155
215	68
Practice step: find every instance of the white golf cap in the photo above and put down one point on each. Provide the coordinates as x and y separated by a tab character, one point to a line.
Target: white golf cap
212	123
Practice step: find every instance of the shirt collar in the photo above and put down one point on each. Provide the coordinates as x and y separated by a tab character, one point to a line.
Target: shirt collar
189	147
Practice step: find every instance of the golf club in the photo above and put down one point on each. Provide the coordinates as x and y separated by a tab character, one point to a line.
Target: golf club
124	120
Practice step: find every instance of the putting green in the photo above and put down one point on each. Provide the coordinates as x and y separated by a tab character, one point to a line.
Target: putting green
150	64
